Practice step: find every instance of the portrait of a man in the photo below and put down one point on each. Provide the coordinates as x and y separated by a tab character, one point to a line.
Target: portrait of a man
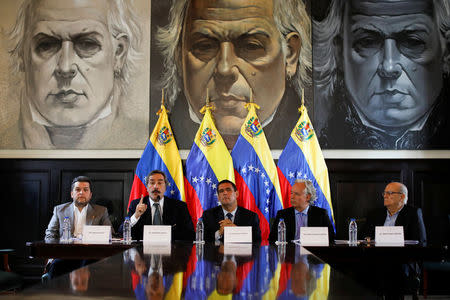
381	75
229	48
75	62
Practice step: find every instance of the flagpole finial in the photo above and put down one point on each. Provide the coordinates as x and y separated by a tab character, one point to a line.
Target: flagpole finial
302	107
208	104
162	103
303	96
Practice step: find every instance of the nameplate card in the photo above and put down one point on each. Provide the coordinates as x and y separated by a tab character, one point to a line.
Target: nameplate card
238	249
158	248
157	234
237	234
389	236
97	234
314	236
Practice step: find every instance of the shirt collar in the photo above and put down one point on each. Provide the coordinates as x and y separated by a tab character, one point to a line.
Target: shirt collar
83	211
161	202
303	212
396	214
226	211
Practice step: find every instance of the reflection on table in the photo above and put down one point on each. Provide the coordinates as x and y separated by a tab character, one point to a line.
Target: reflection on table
203	272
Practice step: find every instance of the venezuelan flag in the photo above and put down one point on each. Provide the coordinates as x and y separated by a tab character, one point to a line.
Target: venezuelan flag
304	281
258	283
161	153
255	172
207	164
302	159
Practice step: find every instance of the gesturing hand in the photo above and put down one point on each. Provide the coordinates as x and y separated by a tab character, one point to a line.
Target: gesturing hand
140	208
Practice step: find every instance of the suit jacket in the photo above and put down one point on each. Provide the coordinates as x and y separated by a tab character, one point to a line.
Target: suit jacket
175	213
317	217
95	215
243	217
409	217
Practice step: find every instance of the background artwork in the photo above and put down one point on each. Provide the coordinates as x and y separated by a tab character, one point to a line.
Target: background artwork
381	75
228	53
78	74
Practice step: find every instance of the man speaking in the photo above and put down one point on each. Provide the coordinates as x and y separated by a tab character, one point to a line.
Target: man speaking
156	209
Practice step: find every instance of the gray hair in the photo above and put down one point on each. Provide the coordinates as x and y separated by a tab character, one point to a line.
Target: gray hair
326	34
289	16
404	191
309	188
121	20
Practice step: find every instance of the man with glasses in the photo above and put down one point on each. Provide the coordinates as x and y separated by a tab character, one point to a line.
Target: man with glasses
397	213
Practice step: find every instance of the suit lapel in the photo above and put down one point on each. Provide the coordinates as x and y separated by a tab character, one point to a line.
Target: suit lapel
68	212
400	218
90	215
147	216
167	208
291	219
219	214
237	216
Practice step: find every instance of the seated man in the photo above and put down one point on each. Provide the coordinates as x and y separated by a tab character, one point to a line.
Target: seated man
80	213
301	213
162	211
397	213
228	214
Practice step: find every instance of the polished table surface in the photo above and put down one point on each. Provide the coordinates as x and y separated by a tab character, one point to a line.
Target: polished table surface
247	271
205	271
75	250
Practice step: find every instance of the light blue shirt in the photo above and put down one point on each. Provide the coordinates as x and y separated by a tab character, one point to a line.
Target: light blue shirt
390	220
301	220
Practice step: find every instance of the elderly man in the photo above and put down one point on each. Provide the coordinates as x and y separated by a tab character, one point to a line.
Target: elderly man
397	213
229	48
301	213
80	213
381	75
228	214
156	209
76	59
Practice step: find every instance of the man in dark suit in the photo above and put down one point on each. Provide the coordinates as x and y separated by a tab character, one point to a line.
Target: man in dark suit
397	213
301	213
156	209
228	214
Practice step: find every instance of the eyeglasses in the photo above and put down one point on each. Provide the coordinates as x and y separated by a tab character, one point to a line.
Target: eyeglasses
390	193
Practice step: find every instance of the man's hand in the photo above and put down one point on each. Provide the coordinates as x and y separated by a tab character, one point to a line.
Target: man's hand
225	223
140	208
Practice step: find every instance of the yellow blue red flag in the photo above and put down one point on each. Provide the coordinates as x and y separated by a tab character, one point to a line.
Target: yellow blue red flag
255	172
207	164
161	153
302	159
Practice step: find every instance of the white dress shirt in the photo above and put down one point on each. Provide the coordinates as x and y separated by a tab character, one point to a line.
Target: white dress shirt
79	221
134	220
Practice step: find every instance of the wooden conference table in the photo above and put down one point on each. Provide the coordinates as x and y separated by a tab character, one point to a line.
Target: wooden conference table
262	271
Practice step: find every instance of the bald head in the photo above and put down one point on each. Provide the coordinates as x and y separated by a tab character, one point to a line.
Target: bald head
395	196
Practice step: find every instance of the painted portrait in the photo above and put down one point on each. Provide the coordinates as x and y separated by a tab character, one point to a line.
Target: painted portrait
381	75
227	49
78	74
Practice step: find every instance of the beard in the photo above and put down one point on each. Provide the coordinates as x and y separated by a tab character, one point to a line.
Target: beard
80	204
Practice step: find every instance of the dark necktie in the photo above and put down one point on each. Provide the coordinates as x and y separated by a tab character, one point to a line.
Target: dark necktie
230	216
157	216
